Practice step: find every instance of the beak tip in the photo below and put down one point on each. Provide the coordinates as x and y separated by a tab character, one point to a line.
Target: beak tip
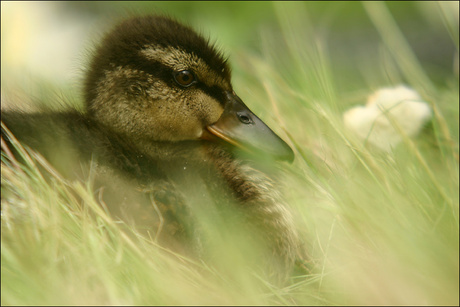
291	158
288	156
242	128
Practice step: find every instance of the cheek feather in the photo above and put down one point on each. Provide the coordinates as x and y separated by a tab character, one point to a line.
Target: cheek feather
206	108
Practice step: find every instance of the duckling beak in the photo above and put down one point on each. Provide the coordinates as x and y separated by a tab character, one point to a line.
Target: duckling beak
242	128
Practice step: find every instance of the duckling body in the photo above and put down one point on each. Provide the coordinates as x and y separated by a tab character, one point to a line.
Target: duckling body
160	126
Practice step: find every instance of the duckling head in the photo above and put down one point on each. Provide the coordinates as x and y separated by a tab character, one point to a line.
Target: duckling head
154	79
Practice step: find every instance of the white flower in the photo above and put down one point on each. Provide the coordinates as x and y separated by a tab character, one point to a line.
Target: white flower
389	113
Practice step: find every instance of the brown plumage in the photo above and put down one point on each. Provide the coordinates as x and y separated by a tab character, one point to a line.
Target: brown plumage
160	127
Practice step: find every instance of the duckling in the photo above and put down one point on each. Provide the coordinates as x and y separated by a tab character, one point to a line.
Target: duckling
161	125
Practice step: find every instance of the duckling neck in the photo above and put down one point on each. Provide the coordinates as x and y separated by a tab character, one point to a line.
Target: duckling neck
256	191
206	168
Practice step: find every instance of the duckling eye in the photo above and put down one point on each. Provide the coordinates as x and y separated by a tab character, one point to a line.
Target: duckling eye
184	78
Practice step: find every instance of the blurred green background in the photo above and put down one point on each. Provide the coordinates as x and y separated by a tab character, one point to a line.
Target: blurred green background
50	40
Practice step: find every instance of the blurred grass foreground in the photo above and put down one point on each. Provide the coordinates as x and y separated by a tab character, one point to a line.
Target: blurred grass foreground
381	222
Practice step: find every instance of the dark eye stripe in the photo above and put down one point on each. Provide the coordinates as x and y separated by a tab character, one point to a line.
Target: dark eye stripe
156	69
214	91
166	74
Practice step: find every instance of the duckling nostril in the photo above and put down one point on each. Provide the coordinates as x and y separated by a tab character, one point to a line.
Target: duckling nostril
244	118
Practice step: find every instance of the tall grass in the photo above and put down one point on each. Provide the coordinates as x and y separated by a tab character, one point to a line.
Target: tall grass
381	227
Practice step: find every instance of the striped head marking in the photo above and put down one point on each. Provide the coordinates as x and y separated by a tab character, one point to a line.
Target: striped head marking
137	80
